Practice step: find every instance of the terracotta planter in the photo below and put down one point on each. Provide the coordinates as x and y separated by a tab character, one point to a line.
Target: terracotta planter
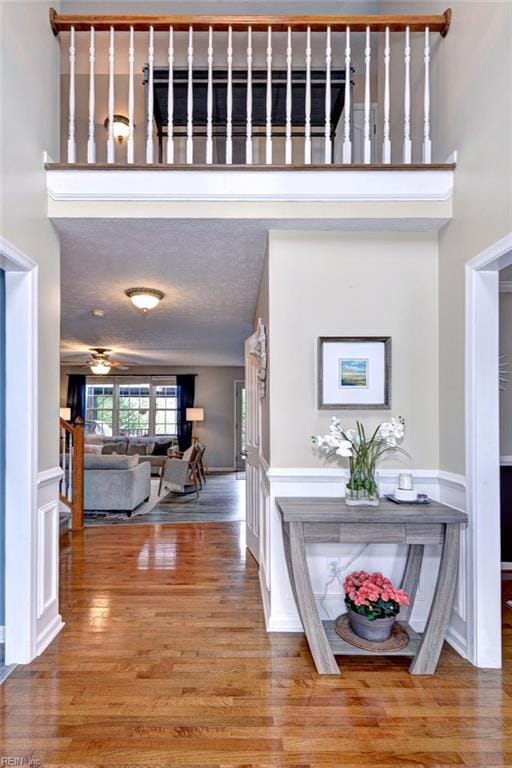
377	630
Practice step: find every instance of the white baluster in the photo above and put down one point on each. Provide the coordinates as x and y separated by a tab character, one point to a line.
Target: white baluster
209	101
367	144
149	116
130	152
427	144
328	57
307	116
386	144
91	145
288	142
190	98
170	99
229	101
268	142
111	62
248	140
347	140
407	148
71	129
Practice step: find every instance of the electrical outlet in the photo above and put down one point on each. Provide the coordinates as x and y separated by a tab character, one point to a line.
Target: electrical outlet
332	565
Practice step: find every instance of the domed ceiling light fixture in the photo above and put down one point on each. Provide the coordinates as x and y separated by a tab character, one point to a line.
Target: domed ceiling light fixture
120	127
145	298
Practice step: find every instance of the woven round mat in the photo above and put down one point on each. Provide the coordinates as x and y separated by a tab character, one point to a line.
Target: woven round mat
398	639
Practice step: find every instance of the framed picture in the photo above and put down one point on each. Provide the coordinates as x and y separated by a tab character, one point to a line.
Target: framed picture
354	373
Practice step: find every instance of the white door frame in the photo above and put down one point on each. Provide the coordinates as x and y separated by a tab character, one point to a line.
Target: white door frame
483	451
21	329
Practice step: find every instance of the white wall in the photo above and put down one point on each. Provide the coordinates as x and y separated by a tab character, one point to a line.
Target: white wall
215	387
471	113
352	284
29	121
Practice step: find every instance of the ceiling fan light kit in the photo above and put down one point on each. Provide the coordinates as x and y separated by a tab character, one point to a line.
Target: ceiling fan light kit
145	298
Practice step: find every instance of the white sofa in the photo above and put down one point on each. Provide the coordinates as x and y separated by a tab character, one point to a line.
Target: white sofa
115	483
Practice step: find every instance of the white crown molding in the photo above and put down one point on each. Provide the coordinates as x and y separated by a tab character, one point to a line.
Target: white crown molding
243	185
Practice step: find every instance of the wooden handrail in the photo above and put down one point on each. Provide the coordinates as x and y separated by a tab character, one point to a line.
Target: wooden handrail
416	23
76	505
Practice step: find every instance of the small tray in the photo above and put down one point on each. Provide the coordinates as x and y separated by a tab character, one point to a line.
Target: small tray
399	501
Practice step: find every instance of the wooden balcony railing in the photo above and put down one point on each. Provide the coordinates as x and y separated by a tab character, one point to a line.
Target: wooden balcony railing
245	90
72	465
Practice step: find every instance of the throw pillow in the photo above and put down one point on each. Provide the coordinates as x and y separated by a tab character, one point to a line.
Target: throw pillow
142	449
119	448
161	448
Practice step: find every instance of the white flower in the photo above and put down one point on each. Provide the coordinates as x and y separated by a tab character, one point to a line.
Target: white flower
352	436
345	449
391	432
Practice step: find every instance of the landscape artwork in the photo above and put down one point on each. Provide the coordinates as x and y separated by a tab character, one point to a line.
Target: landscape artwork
353	373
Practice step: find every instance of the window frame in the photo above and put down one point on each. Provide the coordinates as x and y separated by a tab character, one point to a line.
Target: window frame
117	382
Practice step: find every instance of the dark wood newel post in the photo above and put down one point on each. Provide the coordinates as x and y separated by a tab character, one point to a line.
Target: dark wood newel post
77	506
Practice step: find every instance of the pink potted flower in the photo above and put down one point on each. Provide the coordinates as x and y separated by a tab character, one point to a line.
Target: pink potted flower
373	604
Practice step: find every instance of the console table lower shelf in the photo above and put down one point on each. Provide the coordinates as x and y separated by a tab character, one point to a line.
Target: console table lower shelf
341	647
328	520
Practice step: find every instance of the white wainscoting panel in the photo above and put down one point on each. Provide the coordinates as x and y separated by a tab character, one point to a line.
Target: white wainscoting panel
48	619
280	610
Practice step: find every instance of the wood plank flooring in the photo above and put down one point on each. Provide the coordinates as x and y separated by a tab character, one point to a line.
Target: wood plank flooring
165	661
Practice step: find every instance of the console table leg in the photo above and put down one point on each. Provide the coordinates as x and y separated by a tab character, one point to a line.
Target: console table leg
425	661
299	574
411	577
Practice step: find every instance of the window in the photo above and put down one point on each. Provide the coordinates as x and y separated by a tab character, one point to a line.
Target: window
134	408
166	410
99	409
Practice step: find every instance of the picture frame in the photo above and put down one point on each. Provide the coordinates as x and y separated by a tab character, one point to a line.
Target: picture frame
354	373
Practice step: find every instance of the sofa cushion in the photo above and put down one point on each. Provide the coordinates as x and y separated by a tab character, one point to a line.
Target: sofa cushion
119	448
142	448
92	448
110	461
94	439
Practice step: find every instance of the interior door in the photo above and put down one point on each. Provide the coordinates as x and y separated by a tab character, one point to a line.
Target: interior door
252	450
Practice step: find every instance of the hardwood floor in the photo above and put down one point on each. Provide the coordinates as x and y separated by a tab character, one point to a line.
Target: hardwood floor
164	661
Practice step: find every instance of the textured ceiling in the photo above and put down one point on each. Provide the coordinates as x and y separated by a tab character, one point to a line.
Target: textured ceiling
208	270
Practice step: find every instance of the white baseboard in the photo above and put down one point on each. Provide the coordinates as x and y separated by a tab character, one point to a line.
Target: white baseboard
49	633
457	642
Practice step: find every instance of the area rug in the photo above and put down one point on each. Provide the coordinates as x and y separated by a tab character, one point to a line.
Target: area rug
221	500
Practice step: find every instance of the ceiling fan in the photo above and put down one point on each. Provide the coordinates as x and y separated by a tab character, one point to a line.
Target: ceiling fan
100	363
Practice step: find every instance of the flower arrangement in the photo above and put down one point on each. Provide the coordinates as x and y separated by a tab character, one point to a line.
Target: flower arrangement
373	595
363	453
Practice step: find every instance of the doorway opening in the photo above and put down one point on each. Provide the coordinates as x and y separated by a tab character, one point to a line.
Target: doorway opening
483	450
240	425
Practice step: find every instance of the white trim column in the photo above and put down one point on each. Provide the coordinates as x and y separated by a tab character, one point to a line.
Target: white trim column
31	538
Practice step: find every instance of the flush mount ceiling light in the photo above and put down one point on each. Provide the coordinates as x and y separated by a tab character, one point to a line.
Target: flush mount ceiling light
145	298
121	127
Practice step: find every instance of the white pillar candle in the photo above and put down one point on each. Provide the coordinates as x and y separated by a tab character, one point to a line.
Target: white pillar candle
405	482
